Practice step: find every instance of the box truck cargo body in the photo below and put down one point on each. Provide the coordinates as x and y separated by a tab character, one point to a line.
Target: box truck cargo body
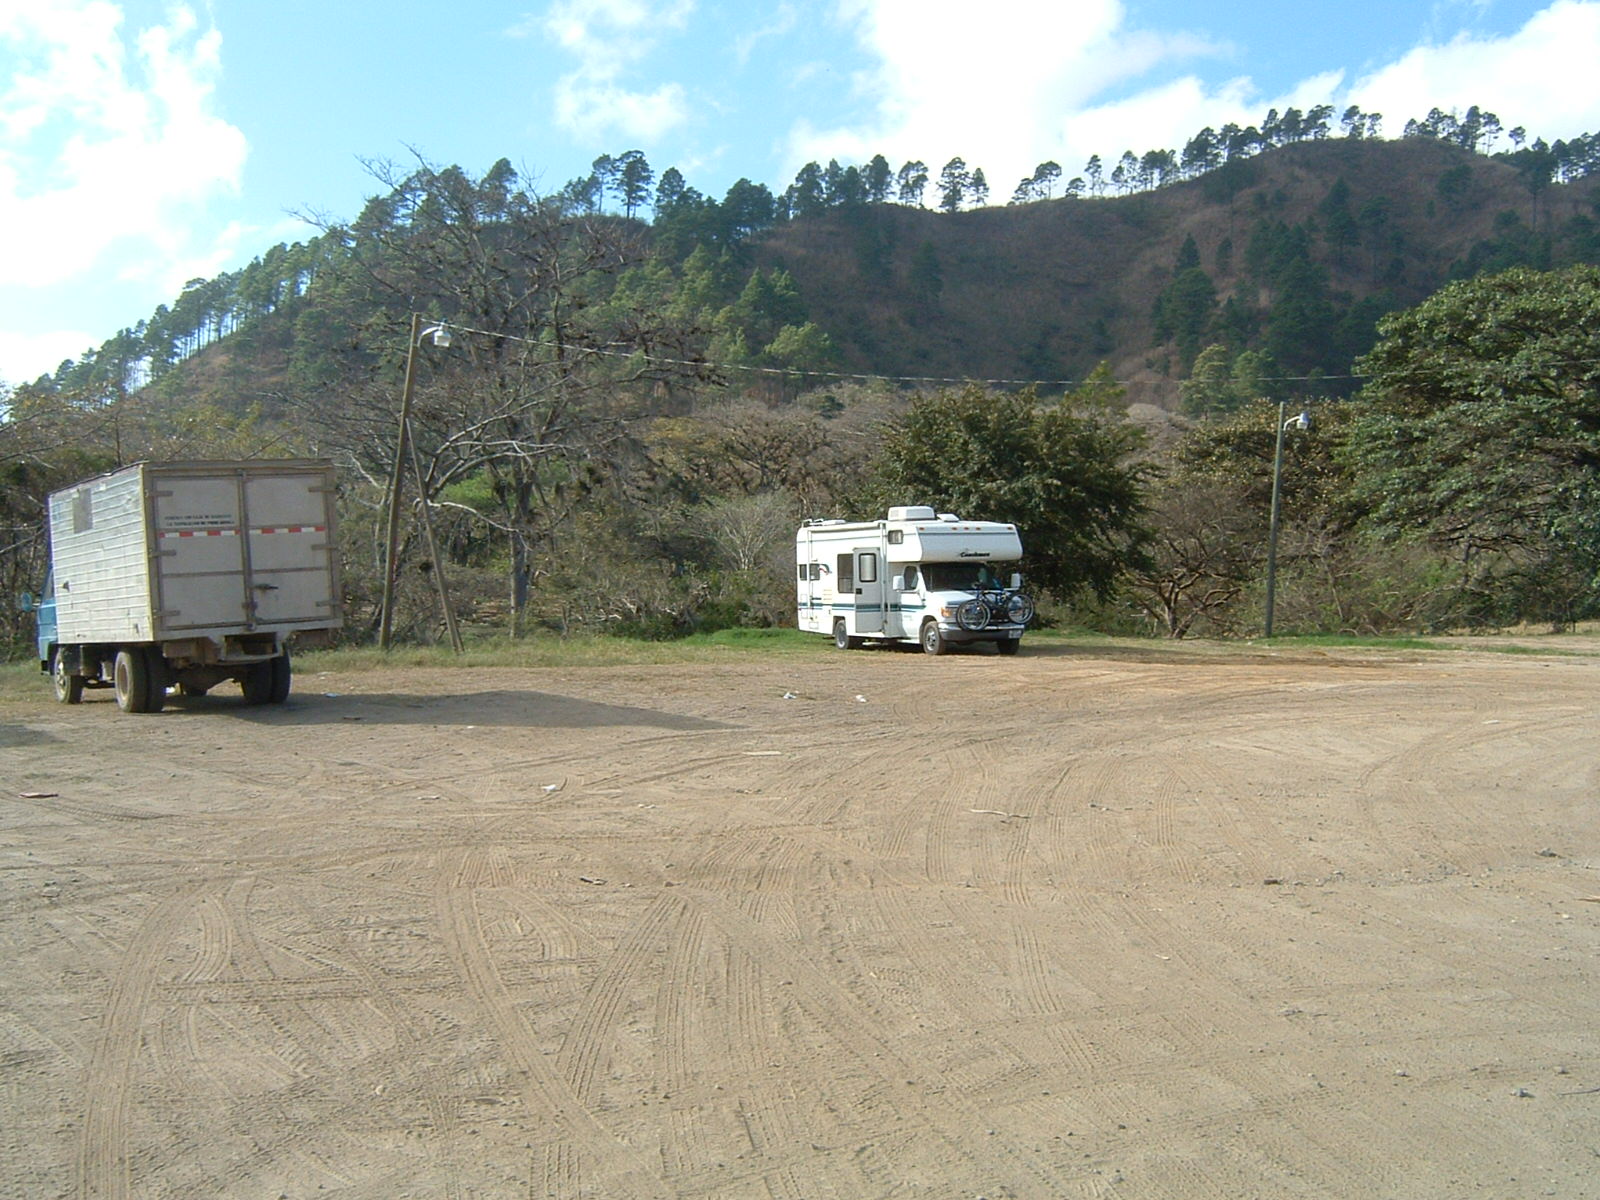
187	574
917	576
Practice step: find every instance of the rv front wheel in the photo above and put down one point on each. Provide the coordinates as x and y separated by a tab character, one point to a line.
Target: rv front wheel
1009	646
932	640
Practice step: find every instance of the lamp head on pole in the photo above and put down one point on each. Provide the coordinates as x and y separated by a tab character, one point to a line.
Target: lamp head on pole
440	335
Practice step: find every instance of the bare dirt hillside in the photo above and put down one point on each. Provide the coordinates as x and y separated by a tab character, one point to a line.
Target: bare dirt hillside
1073	924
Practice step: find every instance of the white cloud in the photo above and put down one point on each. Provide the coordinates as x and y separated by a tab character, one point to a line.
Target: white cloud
782	24
1027	82
592	110
608	38
999	89
1542	76
26	356
110	143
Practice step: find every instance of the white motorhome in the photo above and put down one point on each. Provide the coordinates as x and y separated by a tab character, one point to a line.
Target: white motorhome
918	576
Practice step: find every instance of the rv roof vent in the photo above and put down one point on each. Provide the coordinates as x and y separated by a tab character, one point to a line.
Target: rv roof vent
949	517
911	512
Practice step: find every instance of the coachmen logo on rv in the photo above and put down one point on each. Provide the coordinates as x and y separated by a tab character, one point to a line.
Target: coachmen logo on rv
911	578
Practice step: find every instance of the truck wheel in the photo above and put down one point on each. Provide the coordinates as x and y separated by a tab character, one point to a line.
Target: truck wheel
1009	646
69	688
281	674
267	682
932	640
132	678
842	638
257	683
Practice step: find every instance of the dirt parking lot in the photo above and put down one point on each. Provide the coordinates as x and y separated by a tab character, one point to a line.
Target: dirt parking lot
1080	923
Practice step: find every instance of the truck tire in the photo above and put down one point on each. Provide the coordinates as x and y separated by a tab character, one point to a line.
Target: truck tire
134	682
1009	645
281	676
267	682
69	688
932	640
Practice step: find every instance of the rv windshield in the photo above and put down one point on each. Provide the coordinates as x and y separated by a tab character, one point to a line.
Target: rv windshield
960	576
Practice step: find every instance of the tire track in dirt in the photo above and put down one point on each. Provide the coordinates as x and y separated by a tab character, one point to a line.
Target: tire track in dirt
604	1163
899	1093
103	1160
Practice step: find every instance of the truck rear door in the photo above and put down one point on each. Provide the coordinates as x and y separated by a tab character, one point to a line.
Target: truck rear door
242	549
288	548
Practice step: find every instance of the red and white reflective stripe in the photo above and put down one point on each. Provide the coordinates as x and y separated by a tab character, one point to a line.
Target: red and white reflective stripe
190	533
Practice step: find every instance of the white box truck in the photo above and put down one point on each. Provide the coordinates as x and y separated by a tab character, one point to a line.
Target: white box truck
918	576
186	574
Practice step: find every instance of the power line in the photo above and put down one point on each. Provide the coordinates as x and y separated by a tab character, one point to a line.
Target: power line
807	373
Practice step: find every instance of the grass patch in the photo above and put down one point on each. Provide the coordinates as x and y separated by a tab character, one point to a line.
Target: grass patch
1354	641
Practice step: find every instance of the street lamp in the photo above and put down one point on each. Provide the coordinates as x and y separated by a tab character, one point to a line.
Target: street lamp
1303	421
440	335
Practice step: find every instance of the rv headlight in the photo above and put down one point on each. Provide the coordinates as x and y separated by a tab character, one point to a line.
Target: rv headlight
1019	609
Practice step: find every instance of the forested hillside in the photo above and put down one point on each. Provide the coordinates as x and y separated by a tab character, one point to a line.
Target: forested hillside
646	387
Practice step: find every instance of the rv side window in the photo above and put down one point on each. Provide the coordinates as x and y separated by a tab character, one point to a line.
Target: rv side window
844	579
869	568
897	537
816	570
800	573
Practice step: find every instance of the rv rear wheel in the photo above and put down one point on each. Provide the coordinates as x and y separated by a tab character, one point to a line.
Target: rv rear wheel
932	640
842	638
69	688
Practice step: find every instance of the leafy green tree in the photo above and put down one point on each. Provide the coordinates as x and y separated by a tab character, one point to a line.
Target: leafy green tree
913	181
634	178
1209	388
979	188
878	180
670	189
1480	432
1094	172
1339	226
1183	310
747	209
1064	473
807	195
954	182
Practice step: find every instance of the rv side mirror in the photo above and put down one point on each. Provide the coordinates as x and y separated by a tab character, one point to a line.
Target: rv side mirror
1016	580
25	602
898	583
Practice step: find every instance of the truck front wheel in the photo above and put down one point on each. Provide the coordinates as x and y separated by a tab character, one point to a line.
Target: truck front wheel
134	679
932	640
69	688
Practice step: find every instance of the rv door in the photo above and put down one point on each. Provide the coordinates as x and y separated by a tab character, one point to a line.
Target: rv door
869	592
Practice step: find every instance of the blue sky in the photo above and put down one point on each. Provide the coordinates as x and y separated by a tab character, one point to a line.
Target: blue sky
147	142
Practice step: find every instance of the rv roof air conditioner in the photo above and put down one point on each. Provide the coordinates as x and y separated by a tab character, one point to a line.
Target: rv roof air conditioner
911	512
